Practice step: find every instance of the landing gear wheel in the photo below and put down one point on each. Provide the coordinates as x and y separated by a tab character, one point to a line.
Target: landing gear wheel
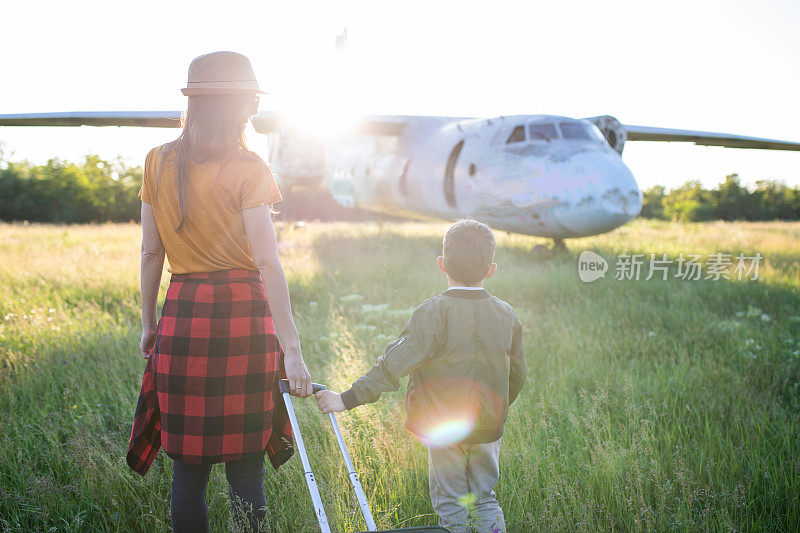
541	253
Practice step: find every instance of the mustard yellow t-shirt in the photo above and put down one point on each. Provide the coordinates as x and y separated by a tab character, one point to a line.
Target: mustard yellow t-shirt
212	237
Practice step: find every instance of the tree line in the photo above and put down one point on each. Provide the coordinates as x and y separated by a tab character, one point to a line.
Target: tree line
94	191
103	191
730	200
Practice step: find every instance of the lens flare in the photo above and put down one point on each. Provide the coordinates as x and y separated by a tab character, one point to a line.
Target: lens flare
448	432
468	500
445	411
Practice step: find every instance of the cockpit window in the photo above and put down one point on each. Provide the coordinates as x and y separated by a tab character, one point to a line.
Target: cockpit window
517	136
575	130
545	132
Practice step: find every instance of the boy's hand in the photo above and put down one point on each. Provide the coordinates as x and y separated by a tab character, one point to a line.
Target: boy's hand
329	401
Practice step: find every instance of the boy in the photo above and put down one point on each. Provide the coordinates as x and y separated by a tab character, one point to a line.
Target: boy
463	350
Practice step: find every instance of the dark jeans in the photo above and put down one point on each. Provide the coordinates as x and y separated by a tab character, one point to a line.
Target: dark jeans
188	509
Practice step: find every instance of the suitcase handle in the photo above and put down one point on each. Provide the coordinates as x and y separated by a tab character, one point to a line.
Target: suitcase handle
311	481
315	387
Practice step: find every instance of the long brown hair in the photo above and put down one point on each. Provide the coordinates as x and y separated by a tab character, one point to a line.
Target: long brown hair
213	128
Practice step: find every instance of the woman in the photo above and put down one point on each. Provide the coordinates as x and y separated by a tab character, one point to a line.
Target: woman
209	393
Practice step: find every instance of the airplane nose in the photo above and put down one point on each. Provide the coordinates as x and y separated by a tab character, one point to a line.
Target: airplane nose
618	202
593	219
613	200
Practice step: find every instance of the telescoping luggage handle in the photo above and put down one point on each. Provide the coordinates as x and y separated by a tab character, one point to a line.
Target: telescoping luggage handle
310	480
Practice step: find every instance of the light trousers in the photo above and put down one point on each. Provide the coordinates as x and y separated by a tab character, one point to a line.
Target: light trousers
462	478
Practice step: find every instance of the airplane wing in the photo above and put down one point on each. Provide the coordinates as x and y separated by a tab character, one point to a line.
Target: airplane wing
705	138
152	119
263	122
380	125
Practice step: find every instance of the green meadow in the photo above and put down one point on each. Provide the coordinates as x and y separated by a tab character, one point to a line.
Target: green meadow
650	405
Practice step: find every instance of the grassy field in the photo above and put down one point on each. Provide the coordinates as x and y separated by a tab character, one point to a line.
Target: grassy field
650	405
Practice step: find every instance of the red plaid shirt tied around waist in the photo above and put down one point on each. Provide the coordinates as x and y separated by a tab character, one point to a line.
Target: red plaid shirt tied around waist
210	389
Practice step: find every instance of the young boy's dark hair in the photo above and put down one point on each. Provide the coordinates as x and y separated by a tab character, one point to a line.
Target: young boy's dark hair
463	350
468	251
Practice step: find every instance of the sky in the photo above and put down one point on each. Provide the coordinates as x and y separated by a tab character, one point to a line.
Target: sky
722	66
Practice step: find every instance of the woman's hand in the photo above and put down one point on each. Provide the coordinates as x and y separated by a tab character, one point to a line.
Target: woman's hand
329	401
148	341
264	247
298	376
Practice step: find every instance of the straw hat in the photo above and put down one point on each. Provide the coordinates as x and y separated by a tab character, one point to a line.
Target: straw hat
221	73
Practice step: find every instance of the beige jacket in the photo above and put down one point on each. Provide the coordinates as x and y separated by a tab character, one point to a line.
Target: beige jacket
463	350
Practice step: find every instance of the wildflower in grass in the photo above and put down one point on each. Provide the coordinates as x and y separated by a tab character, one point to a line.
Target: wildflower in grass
753	312
400	313
374	308
729	325
651	333
764	317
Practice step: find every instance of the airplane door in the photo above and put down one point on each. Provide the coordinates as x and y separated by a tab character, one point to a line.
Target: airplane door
449	174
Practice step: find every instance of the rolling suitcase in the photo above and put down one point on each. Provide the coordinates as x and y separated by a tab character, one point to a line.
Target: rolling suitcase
312	482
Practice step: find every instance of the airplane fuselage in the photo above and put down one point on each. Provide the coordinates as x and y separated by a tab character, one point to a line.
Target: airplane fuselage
538	175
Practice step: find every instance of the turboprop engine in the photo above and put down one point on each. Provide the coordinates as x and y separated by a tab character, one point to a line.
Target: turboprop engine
612	129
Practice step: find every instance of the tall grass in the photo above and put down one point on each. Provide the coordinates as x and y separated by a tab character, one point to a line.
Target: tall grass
650	405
